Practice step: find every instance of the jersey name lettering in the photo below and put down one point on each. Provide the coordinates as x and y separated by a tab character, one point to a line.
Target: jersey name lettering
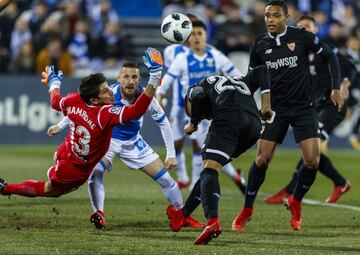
82	114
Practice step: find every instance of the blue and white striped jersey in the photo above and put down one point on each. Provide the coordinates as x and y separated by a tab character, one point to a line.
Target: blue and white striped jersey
128	130
190	68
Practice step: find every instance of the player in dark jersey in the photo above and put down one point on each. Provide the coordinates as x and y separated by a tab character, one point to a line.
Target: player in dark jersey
284	50
235	127
92	118
328	116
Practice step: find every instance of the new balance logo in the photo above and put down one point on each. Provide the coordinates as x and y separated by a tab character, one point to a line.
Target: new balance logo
251	193
216	194
268	51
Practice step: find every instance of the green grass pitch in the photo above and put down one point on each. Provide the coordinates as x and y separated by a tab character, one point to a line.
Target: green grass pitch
136	220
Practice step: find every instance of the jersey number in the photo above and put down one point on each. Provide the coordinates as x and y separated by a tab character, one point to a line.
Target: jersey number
82	147
220	85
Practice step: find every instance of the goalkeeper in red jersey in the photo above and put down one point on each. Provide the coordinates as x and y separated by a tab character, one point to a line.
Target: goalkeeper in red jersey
92	117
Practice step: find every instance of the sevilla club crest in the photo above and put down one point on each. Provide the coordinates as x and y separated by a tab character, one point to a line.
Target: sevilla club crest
291	46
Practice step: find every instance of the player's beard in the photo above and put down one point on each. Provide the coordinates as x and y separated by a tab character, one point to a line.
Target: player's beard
128	93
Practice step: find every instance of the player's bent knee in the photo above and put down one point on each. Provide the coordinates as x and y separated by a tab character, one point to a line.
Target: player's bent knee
312	164
96	175
263	160
49	192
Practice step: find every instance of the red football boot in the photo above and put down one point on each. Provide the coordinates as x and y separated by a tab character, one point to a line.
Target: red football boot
241	219
278	198
338	192
98	219
294	206
191	222
176	218
212	230
183	185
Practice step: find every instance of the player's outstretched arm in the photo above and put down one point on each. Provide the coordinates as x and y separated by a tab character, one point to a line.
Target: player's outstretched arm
154	63
57	128
52	81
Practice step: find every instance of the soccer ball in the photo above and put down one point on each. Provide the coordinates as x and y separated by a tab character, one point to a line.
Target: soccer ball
176	28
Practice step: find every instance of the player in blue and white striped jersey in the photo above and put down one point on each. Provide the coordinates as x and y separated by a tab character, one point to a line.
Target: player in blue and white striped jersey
188	68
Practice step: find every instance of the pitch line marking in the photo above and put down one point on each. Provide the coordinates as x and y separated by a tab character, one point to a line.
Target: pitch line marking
320	203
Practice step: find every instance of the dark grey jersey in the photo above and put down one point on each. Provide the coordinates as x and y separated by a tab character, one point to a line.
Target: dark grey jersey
286	57
321	77
218	94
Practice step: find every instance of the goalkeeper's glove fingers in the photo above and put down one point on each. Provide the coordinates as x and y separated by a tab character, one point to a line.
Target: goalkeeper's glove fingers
51	79
154	63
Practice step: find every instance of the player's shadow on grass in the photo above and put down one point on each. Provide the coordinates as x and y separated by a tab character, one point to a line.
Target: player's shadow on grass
150	232
150	225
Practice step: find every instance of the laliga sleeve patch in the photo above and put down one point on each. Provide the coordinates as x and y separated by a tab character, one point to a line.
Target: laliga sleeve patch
316	40
115	110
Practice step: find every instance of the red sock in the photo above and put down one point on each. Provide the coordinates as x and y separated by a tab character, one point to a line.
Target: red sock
26	189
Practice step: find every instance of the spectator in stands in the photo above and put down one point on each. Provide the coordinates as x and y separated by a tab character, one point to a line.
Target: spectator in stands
321	21
293	14
49	29
101	14
232	35
336	35
171	7
193	7
20	35
7	22
24	61
348	20
257	24
110	46
79	45
53	54
38	17
71	15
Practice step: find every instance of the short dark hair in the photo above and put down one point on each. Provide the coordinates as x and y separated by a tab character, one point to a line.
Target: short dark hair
90	86
199	23
280	3
130	64
191	17
306	17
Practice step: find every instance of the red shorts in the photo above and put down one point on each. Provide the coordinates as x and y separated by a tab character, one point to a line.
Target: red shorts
66	176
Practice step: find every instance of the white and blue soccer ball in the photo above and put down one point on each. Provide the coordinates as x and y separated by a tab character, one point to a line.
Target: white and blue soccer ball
176	28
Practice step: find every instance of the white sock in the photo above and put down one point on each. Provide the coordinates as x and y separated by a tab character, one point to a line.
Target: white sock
229	170
181	171
170	188
96	188
196	168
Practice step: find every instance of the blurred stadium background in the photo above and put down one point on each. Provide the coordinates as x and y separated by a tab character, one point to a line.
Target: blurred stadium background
86	36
